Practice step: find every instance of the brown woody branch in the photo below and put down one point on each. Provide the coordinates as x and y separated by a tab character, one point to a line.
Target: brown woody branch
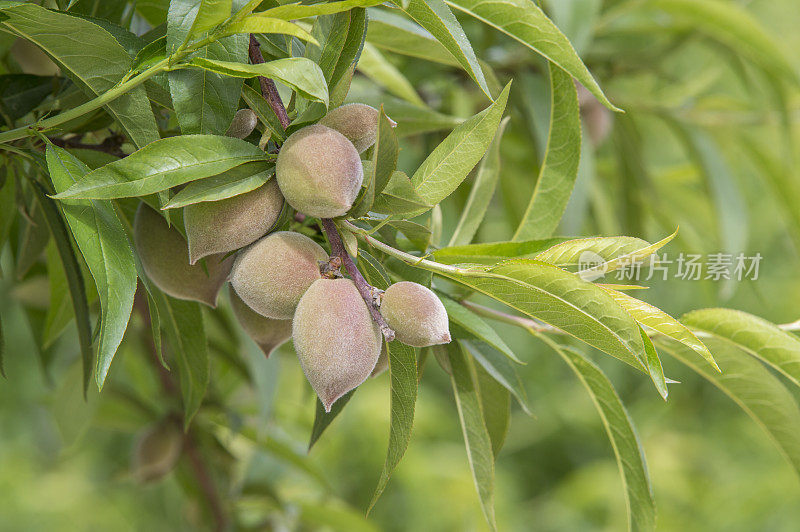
198	466
367	291
268	88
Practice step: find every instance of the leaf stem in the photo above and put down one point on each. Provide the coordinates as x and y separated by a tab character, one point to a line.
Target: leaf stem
364	288
91	105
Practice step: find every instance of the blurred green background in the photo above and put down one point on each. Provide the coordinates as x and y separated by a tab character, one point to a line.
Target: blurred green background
65	464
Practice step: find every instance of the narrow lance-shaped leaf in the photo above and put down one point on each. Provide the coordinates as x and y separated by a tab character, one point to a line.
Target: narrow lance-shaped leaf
237	181
619	427
299	73
476	437
654	365
262	24
183	323
210	13
501	370
496	406
449	164
757	391
72	269
204	101
105	248
384	162
524	21
322	419
560	168
297	11
753	335
164	164
403	373
563	300
60	35
377	68
481	193
474	324
436	17
663	323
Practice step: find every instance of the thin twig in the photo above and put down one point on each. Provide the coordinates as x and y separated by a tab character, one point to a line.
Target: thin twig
198	466
364	288
268	88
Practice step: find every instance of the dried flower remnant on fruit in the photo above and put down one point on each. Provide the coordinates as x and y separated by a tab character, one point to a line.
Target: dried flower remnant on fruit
273	274
319	171
336	340
415	313
244	122
232	223
356	121
268	333
165	258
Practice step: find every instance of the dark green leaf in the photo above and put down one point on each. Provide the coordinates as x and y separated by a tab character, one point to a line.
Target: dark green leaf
236	181
322	419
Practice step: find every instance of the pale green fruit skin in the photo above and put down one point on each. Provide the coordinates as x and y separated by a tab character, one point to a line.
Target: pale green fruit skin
415	314
244	122
356	121
383	362
165	258
336	340
229	224
273	274
319	171
268	333
156	451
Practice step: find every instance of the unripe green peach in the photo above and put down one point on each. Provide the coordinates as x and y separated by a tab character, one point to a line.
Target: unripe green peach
266	332
356	121
415	313
319	171
273	274
383	362
232	223
165	258
156	451
244	122
336	340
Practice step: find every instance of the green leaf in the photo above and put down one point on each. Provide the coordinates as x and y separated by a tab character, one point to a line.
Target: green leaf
524	21
501	370
403	372
496	407
263	24
210	13
563	300
560	168
183	323
753	335
475	325
322	419
751	386
733	26
204	102
299	73
398	197
449	164
377	68
476	436
22	93
436	17
66	38
72	270
384	162
654	365
606	248
164	164
622	434
262	109
105	247
493	252
298	11
397	34
481	193
59	313
663	323
237	181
